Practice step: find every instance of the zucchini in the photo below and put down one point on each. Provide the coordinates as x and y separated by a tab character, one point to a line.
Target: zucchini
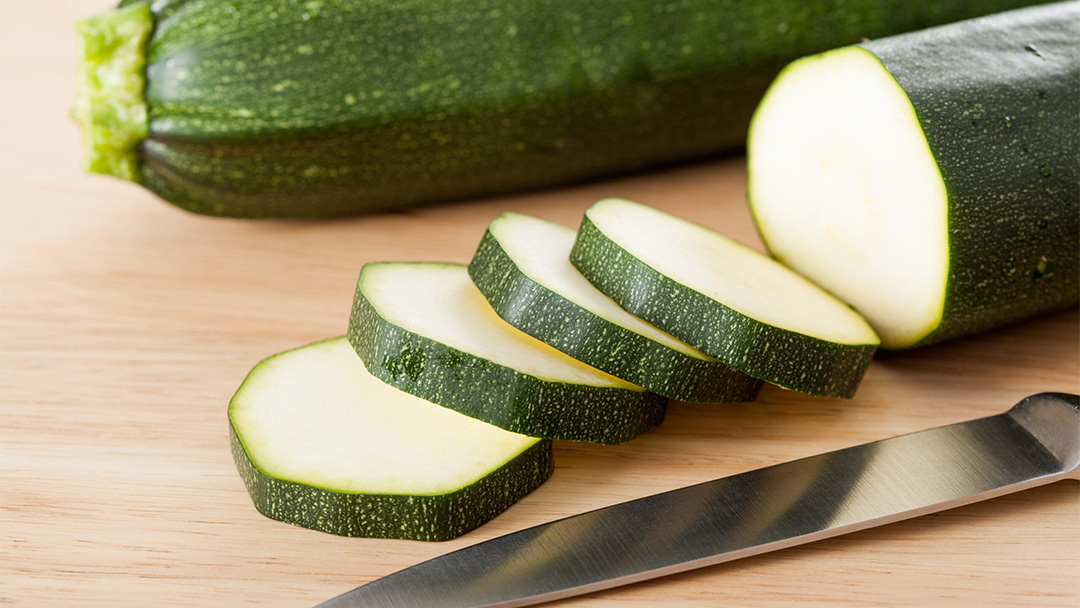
322	444
724	299
426	329
283	108
522	267
930	179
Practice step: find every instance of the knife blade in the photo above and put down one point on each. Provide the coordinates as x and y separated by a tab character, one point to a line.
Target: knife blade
1034	443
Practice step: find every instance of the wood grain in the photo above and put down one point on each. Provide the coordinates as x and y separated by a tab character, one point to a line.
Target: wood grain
125	326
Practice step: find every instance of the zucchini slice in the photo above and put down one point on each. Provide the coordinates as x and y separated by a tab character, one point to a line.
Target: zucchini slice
523	268
323	444
930	179
724	299
426	329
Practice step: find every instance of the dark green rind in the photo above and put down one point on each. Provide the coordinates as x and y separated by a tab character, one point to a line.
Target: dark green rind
785	358
413	517
998	99
588	337
494	393
278	109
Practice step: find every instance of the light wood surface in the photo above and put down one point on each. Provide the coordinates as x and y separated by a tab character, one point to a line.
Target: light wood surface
127	324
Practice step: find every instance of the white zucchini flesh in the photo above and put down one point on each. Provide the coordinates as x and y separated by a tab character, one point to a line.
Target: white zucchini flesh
541	250
730	273
315	416
440	302
845	190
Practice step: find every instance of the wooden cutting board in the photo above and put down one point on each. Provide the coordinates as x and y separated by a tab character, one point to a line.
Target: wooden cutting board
125	326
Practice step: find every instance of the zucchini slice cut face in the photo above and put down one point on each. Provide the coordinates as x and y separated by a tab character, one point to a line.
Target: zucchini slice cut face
523	268
323	444
861	208
724	299
426	329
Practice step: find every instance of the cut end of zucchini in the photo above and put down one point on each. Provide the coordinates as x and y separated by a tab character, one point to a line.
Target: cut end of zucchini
845	190
109	103
323	444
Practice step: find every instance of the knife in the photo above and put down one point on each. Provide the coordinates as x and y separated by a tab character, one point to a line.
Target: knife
1035	443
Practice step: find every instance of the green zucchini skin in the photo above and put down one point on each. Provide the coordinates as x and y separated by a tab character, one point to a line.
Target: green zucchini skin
588	337
998	99
280	108
437	517
494	393
785	358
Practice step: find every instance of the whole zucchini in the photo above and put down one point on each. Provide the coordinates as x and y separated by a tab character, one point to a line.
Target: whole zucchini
930	179
293	108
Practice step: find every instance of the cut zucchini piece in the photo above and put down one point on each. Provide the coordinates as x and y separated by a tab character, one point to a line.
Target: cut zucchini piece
523	268
724	299
426	329
323	444
930	179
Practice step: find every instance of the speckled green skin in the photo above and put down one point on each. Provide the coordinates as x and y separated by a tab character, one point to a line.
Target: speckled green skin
494	393
998	99
588	337
413	517
287	108
789	359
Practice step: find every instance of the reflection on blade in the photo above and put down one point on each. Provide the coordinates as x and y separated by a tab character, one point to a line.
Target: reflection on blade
1036	442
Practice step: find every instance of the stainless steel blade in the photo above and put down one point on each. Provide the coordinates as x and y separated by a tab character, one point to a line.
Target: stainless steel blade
1036	442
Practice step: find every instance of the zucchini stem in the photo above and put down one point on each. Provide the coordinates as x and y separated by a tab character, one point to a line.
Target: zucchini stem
109	104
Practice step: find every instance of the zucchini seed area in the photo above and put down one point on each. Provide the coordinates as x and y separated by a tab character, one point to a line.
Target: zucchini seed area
846	191
440	302
736	276
541	250
315	416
